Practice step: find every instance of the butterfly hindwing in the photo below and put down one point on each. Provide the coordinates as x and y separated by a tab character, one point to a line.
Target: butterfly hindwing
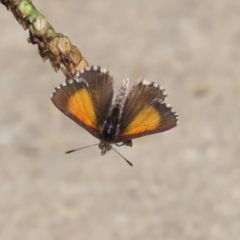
86	99
145	112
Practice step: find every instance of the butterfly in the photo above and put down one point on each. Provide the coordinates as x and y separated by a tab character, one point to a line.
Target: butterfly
87	99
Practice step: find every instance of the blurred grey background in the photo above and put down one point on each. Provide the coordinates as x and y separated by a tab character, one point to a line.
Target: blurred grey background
185	183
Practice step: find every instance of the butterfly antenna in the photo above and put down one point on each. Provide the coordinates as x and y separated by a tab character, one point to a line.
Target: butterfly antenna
123	157
74	150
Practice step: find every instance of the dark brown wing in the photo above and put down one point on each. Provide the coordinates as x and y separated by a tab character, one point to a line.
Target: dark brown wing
145	112
87	99
100	85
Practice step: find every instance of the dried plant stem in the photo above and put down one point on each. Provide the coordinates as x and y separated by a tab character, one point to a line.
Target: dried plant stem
51	45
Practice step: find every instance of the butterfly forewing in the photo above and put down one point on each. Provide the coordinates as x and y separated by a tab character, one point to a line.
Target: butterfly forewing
86	99
145	112
100	85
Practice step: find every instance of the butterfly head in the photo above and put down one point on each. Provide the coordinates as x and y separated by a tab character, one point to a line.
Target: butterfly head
105	147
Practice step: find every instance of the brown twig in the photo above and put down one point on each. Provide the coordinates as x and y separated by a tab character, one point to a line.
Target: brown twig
51	45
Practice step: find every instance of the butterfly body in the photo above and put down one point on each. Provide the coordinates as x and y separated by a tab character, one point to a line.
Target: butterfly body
110	128
88	100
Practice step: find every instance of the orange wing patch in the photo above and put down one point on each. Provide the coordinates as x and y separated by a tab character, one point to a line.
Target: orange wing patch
148	119
81	106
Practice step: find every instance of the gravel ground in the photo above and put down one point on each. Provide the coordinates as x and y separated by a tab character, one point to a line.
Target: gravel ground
185	183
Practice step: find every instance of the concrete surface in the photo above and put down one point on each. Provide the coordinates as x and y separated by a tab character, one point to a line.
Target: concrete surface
185	183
